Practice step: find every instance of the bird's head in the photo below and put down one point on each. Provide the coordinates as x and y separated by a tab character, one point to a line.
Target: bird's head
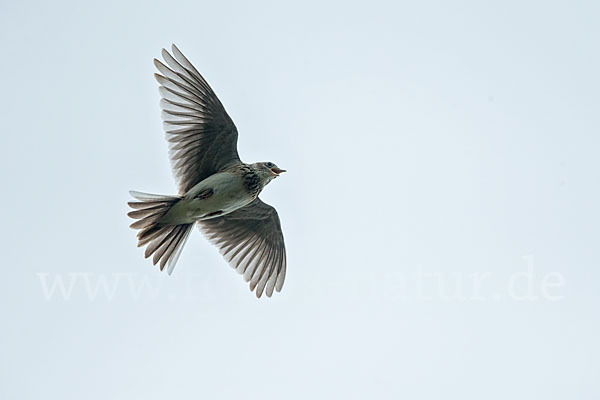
268	171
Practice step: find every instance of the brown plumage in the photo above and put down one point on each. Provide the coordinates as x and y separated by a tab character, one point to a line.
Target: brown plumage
216	189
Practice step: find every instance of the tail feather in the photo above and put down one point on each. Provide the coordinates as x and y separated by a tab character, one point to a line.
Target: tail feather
137	214
174	255
149	236
165	235
149	197
162	248
165	242
146	222
144	205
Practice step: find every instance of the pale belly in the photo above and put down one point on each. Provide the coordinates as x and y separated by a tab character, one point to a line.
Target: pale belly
217	195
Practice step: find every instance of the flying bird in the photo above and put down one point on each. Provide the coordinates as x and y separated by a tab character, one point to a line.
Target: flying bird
217	191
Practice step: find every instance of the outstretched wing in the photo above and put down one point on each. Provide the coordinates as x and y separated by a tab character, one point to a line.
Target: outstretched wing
251	241
202	137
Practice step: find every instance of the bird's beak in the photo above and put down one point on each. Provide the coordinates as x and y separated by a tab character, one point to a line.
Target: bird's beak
277	171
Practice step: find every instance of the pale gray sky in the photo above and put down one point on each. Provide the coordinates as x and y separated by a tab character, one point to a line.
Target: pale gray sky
440	210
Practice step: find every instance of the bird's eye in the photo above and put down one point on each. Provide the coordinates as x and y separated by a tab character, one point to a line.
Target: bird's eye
269	165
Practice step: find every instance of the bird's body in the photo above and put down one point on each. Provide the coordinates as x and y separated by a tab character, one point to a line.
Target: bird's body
217	191
217	195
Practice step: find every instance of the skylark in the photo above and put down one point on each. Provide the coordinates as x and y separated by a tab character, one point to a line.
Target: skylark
216	189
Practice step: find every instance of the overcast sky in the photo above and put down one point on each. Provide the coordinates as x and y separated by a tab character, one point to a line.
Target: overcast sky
440	210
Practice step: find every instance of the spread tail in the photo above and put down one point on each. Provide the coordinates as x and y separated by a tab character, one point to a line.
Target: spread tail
164	241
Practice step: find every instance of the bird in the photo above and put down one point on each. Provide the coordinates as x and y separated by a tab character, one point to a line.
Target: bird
216	190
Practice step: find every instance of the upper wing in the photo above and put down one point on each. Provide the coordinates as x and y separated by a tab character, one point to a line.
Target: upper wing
202	137
251	241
